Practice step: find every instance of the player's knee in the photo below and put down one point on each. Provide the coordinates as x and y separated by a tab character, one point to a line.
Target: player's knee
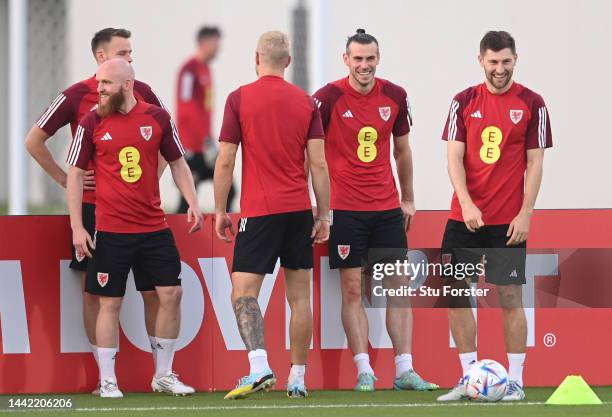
511	302
237	292
351	293
240	290
169	296
298	301
110	305
91	301
510	298
150	298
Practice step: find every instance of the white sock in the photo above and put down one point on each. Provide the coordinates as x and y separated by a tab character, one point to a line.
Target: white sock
466	361
106	363
153	342
258	359
94	352
403	363
296	374
165	355
516	362
362	360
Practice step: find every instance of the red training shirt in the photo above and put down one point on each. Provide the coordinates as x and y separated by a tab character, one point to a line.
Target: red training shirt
272	119
358	128
497	129
124	149
194	104
79	99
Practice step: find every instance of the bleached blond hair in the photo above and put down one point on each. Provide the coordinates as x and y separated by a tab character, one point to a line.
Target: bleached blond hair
274	48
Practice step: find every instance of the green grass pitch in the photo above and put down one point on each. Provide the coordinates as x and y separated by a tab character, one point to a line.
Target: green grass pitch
320	403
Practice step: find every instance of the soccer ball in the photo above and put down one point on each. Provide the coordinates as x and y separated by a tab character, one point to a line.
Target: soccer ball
486	380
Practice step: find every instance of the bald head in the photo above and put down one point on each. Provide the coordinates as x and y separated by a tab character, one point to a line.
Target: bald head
115	79
273	50
117	69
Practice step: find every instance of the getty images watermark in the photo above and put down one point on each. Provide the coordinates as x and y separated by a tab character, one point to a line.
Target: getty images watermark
397	278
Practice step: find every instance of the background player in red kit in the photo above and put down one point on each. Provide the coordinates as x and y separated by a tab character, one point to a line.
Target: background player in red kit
68	108
194	101
496	134
124	138
360	113
276	123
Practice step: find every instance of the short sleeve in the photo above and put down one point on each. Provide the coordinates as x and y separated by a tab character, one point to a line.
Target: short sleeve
315	130
403	121
82	147
325	99
455	126
230	129
60	112
538	131
170	145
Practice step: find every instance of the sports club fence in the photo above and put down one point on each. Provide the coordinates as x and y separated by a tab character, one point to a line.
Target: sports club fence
44	348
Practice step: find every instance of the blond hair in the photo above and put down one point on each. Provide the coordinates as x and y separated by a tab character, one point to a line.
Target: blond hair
273	48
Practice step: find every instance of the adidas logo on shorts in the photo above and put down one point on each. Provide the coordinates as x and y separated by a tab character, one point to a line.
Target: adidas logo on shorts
242	226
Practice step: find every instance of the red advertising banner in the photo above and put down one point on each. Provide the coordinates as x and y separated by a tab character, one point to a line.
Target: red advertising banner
44	348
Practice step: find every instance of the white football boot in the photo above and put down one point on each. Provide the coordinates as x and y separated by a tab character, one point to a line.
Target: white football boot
109	389
458	393
170	384
514	392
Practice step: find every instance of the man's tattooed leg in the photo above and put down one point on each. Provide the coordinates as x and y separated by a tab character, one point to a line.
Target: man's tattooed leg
250	322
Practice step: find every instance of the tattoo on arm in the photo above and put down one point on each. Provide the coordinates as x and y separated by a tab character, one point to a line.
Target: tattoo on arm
250	322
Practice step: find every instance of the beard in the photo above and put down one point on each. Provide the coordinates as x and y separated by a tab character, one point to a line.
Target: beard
113	103
498	83
369	79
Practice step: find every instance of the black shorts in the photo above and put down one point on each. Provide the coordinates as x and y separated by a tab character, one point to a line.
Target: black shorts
352	233
153	257
503	265
199	168
89	222
262	240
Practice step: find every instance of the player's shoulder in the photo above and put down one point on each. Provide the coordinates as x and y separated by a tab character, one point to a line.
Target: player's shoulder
468	94
142	87
330	92
159	114
234	95
529	96
152	109
330	89
77	90
245	87
392	90
190	64
90	120
295	88
297	92
266	85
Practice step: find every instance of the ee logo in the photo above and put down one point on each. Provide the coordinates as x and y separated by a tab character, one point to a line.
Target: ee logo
491	139
367	137
129	157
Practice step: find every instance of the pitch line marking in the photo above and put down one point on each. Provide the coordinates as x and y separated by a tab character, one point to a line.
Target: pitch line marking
290	407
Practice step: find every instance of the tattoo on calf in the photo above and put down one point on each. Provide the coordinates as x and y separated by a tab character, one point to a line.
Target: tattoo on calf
250	322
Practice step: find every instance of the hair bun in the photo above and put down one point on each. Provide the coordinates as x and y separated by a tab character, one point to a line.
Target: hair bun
360	31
